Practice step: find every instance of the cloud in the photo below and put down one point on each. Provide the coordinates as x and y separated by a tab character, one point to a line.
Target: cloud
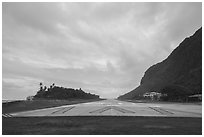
13	85
38	16
101	47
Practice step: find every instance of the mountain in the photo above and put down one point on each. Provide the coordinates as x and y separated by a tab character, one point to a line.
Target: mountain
182	68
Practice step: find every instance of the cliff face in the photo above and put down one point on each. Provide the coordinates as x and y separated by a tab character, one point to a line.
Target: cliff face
182	67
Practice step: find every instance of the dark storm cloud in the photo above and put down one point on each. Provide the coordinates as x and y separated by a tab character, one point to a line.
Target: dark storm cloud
101	47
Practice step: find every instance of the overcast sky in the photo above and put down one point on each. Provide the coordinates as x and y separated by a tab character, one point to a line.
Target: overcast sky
103	48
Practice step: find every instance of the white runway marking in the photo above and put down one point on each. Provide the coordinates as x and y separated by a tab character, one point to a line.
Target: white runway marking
155	106
6	115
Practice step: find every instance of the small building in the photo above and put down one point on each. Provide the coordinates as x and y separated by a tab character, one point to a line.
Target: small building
152	95
30	98
196	97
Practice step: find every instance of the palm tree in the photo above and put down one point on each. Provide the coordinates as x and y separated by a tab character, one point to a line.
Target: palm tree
41	86
45	88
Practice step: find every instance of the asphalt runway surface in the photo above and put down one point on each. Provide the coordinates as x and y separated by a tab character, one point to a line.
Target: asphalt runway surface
112	107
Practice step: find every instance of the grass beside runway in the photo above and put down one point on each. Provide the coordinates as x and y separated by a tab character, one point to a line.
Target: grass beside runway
106	125
160	102
18	106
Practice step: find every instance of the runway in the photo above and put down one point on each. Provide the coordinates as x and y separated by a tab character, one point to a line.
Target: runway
112	107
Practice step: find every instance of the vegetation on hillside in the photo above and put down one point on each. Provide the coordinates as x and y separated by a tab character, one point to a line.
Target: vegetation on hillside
55	92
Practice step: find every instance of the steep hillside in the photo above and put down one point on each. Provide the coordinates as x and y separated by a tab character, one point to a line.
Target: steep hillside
183	68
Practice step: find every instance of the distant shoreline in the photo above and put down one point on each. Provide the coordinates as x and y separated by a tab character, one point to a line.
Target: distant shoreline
9	100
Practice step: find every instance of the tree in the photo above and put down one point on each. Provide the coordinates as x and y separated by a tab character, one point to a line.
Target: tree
175	93
55	92
41	86
45	88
